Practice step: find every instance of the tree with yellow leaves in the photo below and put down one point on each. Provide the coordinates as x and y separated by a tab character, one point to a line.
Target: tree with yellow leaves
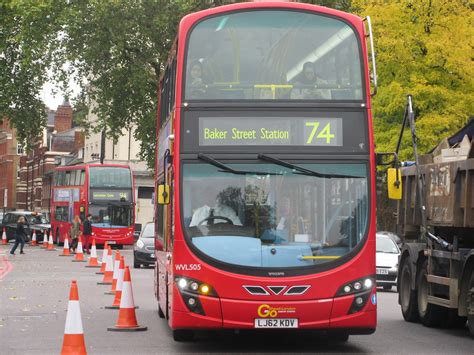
424	48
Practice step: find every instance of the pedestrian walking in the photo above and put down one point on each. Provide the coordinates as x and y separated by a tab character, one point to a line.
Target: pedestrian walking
20	236
75	232
87	232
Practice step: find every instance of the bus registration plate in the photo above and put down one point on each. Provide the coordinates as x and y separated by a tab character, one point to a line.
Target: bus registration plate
276	323
382	271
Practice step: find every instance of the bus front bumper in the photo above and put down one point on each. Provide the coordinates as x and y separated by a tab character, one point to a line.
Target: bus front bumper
336	314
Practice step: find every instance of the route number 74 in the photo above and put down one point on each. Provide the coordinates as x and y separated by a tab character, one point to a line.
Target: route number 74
324	133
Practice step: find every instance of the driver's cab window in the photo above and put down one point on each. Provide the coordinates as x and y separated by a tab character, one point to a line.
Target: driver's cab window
267	215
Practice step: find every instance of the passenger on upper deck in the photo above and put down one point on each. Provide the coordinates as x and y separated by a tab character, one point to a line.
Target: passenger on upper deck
306	85
195	81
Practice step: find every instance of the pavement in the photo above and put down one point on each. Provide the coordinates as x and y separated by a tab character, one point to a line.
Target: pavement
34	290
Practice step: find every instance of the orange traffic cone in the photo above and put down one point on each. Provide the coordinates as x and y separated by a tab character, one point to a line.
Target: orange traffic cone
104	259
33	239
45	240
127	320
93	258
4	237
118	290
73	343
109	269
79	253
50	243
115	274
66	251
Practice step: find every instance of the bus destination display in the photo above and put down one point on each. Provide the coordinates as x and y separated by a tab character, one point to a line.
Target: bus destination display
110	195
291	131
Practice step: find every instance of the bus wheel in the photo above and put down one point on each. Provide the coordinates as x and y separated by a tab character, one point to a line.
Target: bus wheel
183	335
407	295
338	337
431	315
470	305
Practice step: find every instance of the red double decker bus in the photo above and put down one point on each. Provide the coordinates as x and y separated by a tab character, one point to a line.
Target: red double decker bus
103	190
265	212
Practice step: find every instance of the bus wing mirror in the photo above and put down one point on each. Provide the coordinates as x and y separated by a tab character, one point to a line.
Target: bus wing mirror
394	182
163	194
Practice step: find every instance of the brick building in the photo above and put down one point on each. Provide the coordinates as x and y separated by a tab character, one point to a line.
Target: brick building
59	140
10	152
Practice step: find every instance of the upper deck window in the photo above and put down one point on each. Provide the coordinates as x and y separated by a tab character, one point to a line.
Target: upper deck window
110	177
273	55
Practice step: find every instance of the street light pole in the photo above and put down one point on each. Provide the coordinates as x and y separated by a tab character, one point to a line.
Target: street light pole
102	146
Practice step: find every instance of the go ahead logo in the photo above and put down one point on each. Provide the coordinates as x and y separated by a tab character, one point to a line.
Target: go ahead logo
267	311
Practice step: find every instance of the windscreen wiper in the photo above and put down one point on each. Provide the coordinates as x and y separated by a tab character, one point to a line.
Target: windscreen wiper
227	169
304	171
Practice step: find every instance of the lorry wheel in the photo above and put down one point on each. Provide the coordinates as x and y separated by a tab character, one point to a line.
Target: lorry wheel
470	305
431	315
408	302
455	321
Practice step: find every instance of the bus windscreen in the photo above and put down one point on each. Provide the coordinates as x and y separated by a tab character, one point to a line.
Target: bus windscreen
284	218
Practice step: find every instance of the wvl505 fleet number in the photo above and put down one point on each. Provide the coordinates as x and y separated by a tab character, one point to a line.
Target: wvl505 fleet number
188	267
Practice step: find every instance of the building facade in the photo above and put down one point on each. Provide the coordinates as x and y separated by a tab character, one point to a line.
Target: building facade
10	153
60	139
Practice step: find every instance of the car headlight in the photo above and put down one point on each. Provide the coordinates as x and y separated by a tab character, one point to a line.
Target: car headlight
140	244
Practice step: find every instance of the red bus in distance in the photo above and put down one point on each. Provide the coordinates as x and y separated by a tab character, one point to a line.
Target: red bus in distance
265	188
106	191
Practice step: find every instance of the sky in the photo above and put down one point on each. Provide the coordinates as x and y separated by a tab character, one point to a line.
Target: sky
49	100
54	100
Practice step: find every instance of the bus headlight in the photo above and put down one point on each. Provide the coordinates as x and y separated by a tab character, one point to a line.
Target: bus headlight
190	290
362	285
360	289
182	283
194	286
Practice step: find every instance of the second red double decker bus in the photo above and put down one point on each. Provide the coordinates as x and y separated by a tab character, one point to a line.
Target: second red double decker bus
265	214
103	190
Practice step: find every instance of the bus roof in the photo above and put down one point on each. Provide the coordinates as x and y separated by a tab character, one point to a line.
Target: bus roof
82	166
188	20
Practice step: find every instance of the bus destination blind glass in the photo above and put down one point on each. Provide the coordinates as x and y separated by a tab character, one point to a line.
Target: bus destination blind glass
110	196
294	131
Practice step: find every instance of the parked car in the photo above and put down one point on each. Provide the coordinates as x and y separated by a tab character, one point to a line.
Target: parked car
393	236
34	222
386	261
137	230
144	248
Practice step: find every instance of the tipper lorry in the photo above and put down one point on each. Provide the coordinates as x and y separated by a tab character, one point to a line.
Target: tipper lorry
435	219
